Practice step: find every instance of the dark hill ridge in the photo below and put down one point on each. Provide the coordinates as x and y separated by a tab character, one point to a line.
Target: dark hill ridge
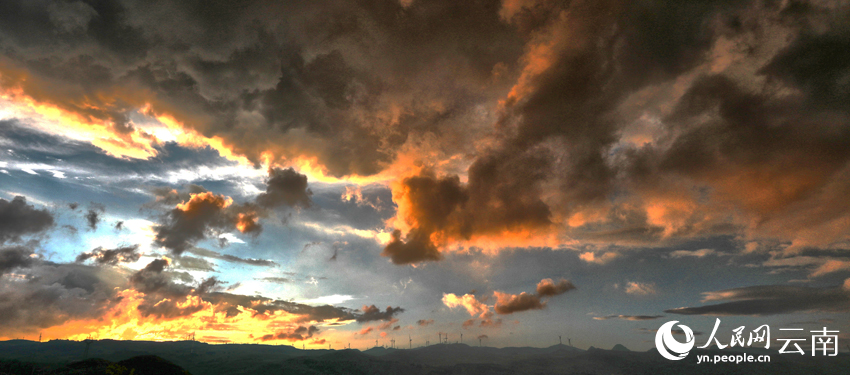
141	365
65	357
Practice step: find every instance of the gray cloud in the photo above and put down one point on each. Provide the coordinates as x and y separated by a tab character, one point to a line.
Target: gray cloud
202	216
771	300
14	257
17	218
56	293
230	258
285	187
111	256
548	288
372	313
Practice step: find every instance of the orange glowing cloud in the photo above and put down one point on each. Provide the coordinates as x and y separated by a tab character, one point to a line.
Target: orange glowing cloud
467	301
124	321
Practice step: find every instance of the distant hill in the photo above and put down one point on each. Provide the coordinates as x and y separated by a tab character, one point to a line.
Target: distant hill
141	365
61	357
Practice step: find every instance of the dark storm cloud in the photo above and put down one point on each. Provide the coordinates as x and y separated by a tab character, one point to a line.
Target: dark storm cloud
612	121
425	322
565	153
771	300
14	257
335	64
100	255
372	313
17	218
285	187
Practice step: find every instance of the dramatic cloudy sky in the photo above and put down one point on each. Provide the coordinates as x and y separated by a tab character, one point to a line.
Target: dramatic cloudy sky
332	172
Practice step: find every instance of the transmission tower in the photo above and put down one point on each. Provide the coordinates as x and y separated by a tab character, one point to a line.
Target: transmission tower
88	341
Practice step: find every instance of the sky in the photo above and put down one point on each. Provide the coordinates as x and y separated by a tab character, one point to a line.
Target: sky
333	173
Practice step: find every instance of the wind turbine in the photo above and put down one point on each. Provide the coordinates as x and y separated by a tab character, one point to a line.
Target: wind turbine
461	338
559	340
411	341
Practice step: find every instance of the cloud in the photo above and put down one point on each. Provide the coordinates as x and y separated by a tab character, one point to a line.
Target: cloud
507	303
490	323
511	303
17	218
387	324
417	248
278	280
441	207
202	216
678	145
591	257
770	300
53	294
231	258
285	187
100	255
548	288
629	317
696	253
425	322
468	301
92	216
372	313
14	257
640	289
830	266
300	333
